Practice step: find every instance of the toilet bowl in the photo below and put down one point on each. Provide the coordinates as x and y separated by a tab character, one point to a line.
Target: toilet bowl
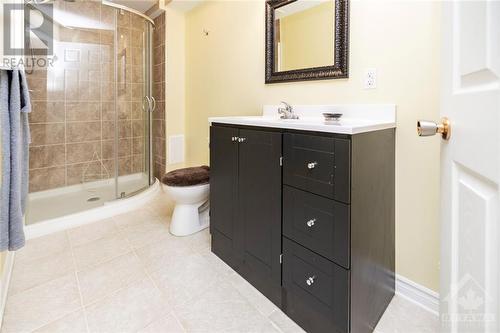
189	189
191	209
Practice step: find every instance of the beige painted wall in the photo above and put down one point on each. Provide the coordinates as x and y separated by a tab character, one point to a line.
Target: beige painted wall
307	38
176	62
225	76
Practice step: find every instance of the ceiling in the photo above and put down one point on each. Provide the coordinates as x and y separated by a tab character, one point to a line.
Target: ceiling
139	5
184	5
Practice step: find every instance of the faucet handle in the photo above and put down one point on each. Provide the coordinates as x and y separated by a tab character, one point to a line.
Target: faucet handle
288	107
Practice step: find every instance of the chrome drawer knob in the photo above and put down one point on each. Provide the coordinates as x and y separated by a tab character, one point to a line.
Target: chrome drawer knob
310	280
311	222
311	165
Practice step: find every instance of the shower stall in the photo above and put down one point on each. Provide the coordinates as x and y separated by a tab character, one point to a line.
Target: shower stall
92	109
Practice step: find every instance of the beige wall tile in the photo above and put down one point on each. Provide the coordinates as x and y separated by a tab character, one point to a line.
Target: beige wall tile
45	134
47	156
83	131
83	111
46	178
84	172
82	152
47	112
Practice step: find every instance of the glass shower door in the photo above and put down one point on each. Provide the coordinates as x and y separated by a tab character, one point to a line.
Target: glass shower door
133	103
90	120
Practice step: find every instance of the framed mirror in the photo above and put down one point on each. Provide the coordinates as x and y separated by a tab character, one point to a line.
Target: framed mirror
306	40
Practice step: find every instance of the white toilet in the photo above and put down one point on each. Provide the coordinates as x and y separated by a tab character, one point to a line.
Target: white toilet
189	189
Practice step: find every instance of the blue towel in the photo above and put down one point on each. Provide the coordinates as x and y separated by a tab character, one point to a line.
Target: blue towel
14	108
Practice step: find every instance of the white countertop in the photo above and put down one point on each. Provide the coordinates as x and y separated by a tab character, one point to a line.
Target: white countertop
356	118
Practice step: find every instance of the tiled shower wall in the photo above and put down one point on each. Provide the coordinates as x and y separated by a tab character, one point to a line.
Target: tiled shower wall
73	118
159	86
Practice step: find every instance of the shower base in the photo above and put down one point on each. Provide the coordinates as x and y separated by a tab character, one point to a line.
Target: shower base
67	207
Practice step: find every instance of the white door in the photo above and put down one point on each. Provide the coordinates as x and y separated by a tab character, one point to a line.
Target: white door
470	167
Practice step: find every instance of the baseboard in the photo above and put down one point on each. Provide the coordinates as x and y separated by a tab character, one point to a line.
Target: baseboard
418	294
5	281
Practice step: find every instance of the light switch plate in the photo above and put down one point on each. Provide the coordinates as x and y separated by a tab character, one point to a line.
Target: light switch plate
371	78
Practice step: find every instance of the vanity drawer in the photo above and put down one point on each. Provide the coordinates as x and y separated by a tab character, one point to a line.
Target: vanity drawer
320	224
317	164
316	290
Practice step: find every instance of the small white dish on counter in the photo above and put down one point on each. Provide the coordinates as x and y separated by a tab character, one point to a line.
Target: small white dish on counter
358	118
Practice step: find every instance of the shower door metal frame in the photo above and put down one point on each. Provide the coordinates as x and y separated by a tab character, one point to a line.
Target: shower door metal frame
148	47
128	9
148	83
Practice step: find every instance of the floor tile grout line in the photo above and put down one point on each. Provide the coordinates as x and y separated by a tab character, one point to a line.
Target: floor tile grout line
172	311
177	319
274	324
157	288
56	319
78	282
251	303
78	287
39	284
108	259
44	282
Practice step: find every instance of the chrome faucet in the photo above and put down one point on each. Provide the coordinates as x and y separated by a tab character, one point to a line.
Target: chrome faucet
286	112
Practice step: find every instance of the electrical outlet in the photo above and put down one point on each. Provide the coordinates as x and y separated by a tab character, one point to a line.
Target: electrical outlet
371	78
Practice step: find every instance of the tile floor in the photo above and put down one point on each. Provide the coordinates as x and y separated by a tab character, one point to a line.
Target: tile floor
128	274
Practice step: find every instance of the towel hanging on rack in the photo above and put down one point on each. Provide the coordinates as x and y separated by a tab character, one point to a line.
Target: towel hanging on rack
15	138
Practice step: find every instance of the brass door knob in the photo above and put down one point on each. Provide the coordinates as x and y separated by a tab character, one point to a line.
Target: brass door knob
430	128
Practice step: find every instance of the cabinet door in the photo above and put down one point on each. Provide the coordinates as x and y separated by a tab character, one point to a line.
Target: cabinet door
259	191
223	191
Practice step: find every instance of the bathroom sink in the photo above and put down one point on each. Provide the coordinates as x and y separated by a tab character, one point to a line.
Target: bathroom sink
355	118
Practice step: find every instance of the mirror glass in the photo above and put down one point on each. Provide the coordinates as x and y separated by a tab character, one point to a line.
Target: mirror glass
304	35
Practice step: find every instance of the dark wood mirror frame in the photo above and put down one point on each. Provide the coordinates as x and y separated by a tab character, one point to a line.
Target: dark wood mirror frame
340	68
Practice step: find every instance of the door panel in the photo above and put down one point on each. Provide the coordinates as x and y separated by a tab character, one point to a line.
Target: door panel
470	167
259	183
132	120
223	190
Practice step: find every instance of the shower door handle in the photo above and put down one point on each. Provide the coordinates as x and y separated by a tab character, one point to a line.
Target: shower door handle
153	100
148	106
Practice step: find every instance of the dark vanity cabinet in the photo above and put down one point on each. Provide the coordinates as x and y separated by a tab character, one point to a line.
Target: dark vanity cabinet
246	218
308	219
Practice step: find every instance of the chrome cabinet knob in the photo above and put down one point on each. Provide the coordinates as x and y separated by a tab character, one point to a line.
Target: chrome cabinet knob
430	128
311	165
311	222
242	139
234	138
310	280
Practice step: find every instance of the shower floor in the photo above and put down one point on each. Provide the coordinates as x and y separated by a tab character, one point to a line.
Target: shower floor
46	205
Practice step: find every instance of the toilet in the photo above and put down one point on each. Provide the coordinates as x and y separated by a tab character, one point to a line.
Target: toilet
189	189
